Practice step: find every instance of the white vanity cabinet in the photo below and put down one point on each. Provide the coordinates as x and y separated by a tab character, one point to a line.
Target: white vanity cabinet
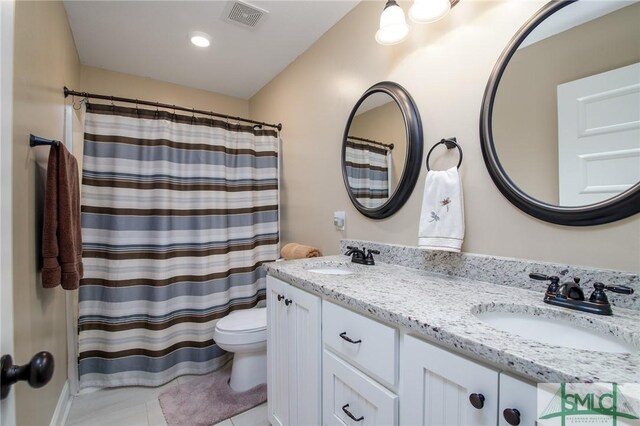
332	366
293	355
438	387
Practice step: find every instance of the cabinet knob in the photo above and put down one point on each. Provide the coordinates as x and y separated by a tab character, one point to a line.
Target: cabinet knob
351	416
280	297
512	416
477	400
288	301
37	373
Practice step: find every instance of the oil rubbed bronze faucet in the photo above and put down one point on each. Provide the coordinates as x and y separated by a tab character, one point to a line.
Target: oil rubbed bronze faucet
363	257
570	294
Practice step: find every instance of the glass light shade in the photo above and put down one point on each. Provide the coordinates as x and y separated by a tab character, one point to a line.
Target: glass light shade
393	26
200	39
425	11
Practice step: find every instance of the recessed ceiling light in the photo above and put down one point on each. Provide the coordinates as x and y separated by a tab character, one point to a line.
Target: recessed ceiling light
200	39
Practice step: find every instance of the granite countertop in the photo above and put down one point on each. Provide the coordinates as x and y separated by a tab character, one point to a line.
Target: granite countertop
441	308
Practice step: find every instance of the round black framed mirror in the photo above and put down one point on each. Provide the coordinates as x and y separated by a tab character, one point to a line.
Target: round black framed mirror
382	150
560	119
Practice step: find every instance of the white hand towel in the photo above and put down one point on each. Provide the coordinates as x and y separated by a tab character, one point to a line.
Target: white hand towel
442	218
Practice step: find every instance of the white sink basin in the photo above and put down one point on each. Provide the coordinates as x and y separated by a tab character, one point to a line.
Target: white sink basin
554	331
330	271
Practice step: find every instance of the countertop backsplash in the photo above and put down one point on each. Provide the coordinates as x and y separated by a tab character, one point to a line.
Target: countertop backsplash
502	270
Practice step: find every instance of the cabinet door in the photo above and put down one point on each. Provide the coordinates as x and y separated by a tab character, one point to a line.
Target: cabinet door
304	312
348	392
277	353
436	385
517	394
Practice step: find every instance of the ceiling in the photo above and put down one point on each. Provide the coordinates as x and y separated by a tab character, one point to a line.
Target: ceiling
150	39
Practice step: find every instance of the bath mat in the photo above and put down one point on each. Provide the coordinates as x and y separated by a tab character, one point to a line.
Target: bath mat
208	400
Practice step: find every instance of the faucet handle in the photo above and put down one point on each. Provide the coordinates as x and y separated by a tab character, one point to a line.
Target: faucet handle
622	289
553	286
598	295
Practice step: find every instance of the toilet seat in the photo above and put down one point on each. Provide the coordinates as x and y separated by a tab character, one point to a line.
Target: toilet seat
247	320
242	327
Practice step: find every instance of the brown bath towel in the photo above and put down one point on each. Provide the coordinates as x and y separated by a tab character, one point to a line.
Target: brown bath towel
61	239
299	251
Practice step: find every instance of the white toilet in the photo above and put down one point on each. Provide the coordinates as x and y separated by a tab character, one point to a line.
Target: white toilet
244	333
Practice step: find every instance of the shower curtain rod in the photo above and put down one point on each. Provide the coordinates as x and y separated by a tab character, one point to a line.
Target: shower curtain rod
68	92
390	146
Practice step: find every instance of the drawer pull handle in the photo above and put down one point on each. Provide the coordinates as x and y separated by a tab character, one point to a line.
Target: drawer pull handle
348	339
287	301
477	400
280	297
351	416
512	416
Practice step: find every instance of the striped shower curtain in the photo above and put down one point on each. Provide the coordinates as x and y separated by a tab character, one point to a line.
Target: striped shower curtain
368	172
178	214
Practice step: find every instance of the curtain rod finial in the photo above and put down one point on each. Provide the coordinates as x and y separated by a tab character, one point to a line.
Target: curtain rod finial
279	126
66	91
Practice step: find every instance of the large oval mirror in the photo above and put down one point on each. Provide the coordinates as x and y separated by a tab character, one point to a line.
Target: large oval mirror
560	123
382	150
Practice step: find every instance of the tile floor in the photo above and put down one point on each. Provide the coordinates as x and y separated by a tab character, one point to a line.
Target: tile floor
139	406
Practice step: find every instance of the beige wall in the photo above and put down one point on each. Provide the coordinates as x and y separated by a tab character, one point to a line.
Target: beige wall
45	60
445	66
384	124
111	83
525	127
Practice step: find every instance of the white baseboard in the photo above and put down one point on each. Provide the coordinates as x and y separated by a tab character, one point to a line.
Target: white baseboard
61	413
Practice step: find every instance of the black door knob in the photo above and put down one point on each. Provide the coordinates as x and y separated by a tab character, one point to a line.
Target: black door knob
37	373
512	416
280	297
477	400
287	302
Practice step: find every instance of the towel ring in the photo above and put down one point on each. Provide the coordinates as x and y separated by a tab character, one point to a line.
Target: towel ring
450	144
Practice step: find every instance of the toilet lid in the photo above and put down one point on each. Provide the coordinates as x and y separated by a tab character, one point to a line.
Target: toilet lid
246	320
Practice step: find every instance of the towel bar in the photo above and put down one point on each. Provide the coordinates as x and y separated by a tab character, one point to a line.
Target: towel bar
38	141
450	144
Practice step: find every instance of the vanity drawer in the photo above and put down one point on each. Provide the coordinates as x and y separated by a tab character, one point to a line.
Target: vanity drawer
347	392
374	346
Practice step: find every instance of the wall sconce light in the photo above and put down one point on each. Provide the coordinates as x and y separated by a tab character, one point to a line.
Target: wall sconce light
393	26
425	11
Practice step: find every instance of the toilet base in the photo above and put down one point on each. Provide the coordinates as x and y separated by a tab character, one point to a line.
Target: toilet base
248	370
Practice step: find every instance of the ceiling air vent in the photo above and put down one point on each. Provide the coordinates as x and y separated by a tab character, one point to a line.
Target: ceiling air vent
244	14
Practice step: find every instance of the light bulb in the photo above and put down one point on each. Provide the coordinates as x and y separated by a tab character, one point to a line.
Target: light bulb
393	26
425	11
200	39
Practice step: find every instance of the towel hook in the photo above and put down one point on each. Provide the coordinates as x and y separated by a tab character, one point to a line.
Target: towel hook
450	143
